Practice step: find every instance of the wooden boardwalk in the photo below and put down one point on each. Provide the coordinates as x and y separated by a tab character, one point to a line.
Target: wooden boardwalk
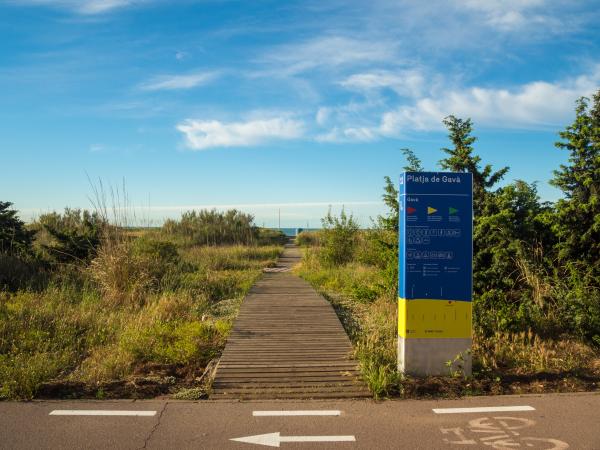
287	342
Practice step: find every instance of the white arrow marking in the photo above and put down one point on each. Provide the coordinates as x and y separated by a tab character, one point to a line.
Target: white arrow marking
274	439
296	413
483	409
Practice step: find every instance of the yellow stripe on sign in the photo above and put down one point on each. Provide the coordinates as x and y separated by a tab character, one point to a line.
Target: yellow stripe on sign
426	318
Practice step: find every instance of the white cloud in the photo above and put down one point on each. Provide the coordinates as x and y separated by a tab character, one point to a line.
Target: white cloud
409	83
531	105
89	7
94	148
508	14
326	52
349	134
174	82
323	114
201	135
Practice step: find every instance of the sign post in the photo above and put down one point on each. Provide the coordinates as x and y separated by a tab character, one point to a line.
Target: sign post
435	279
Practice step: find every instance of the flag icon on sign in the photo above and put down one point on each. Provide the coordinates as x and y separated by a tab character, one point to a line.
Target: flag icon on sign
411	210
452	210
431	210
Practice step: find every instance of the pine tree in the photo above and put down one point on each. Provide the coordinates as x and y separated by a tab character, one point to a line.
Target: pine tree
14	237
461	159
578	214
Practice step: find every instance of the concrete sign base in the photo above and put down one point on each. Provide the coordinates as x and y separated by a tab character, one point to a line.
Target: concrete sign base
431	356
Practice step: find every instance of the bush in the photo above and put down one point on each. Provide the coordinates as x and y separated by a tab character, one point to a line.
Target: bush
214	228
21	272
267	236
72	236
308	239
338	238
15	239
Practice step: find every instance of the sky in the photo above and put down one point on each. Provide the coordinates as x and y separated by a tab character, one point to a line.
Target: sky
278	108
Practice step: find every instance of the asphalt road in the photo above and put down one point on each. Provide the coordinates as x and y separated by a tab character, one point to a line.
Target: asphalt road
556	422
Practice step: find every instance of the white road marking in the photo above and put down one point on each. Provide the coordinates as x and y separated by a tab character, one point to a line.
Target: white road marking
99	412
274	439
296	413
483	409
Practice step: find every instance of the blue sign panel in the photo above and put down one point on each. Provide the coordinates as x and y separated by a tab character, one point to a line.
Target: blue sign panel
436	229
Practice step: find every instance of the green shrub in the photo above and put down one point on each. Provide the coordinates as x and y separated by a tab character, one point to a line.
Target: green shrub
308	238
212	227
176	342
267	236
338	238
15	238
72	236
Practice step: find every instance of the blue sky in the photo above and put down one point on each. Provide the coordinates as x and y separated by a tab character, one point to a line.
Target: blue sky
278	105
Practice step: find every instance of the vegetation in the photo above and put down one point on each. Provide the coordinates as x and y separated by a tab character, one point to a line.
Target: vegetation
536	273
96	310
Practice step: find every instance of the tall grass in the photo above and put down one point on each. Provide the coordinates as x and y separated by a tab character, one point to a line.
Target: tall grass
139	302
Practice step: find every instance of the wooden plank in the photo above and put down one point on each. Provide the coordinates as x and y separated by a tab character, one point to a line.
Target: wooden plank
287	342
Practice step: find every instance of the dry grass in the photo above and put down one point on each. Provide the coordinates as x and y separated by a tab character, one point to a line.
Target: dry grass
137	310
526	353
122	278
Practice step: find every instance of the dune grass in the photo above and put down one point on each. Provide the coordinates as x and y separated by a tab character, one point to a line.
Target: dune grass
142	302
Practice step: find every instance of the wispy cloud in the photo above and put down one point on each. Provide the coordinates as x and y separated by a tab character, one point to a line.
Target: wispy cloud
89	7
202	135
408	83
326	52
509	14
176	82
349	134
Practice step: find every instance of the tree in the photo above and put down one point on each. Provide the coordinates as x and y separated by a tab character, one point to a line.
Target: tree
390	193
14	237
461	159
578	214
413	162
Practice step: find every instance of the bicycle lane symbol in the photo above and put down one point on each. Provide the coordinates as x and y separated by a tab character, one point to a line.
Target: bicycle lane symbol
500	433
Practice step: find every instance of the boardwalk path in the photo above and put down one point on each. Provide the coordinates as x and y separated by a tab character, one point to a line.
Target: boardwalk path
287	342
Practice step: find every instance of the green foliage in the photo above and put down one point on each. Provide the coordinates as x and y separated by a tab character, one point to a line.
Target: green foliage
338	238
413	162
212	227
183	343
15	238
578	215
390	199
72	236
461	159
267	236
308	238
511	226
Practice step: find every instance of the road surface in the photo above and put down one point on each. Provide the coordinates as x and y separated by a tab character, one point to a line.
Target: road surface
556	421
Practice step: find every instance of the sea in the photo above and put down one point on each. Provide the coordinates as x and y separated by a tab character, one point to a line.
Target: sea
294	231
